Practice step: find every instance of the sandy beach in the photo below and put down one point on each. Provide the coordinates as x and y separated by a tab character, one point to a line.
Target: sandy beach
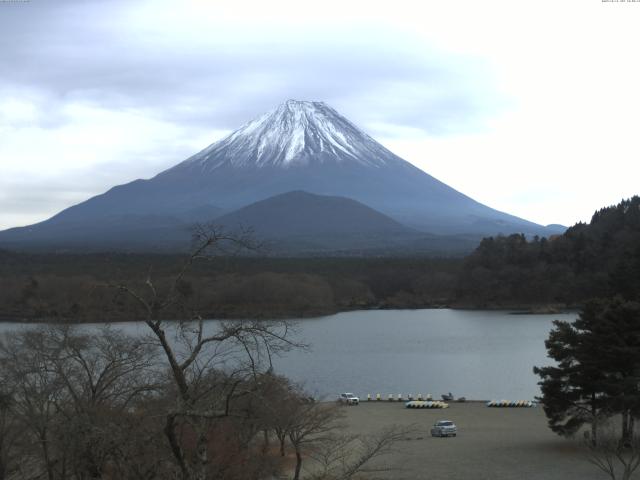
492	443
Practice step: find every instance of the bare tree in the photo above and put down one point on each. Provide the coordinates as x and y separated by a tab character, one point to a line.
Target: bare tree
103	368
278	398
310	424
10	432
618	458
344	457
37	395
103	375
73	394
192	352
313	431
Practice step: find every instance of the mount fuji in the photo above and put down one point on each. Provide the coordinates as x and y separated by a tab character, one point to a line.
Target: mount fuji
298	146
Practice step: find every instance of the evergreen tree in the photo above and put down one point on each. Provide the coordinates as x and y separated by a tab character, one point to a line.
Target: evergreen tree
599	259
598	368
572	391
615	324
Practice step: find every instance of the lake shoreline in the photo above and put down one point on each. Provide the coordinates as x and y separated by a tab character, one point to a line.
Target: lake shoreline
515	309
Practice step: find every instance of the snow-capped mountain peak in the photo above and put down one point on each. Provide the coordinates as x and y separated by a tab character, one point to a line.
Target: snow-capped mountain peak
295	133
295	157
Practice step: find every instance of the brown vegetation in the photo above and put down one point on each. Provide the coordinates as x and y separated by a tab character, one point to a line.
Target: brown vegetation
71	288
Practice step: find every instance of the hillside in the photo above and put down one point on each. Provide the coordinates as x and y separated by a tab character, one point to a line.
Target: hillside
299	222
597	259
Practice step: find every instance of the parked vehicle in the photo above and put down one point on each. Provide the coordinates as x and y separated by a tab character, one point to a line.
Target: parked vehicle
348	399
444	428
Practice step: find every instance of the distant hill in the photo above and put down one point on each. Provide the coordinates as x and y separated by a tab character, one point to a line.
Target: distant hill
601	258
304	223
303	213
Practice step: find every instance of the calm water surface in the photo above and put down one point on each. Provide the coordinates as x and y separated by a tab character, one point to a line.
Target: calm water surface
477	354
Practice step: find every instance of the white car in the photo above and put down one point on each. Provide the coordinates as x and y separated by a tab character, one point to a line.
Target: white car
348	399
444	428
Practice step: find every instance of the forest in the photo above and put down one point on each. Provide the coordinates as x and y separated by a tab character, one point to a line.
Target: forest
76	288
598	259
588	261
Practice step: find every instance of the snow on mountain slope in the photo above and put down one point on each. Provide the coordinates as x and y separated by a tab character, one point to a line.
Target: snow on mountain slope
294	133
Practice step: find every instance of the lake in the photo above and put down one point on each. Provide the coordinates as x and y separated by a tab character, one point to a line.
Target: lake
477	354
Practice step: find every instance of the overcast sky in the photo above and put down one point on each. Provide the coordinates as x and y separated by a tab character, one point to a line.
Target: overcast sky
531	107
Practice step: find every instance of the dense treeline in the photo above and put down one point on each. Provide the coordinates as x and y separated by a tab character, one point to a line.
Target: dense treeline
598	259
63	287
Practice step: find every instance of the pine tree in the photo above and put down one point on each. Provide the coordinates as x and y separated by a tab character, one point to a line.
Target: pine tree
572	391
598	368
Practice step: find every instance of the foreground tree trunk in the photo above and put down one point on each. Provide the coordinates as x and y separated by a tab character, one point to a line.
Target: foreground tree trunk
203	460
296	475
265	444
627	428
44	442
174	444
594	422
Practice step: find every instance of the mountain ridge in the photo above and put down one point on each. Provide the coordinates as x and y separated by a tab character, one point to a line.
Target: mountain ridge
296	146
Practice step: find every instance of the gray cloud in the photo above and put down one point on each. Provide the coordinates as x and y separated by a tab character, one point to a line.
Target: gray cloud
70	51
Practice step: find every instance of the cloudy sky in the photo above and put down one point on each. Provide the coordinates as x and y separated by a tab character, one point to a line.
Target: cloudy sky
531	107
